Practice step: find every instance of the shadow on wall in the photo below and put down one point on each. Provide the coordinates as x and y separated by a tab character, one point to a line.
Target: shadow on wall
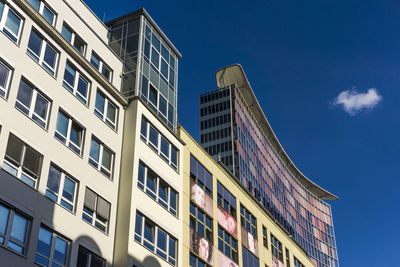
149	261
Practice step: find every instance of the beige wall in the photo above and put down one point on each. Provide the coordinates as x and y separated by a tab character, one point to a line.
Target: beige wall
242	197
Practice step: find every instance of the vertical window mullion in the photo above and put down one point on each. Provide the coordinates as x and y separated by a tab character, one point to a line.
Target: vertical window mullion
69	131
42	51
105	109
9	227
101	156
76	81
41	8
33	102
52	248
61	187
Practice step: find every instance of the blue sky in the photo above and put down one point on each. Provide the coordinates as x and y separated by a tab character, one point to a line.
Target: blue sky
299	56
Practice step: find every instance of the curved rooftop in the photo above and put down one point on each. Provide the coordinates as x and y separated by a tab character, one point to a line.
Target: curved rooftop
234	74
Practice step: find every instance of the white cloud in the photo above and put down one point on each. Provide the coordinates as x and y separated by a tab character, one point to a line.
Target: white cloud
353	101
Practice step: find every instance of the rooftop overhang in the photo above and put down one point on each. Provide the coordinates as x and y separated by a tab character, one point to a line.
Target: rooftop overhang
234	74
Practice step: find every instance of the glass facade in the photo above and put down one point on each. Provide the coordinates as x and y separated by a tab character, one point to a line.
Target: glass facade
149	60
258	167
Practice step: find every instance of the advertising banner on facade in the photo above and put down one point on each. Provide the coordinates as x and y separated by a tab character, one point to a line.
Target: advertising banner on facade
201	247
250	242
276	262
227	221
203	200
225	261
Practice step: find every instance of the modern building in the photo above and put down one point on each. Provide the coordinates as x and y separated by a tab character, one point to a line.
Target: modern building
235	131
90	163
225	225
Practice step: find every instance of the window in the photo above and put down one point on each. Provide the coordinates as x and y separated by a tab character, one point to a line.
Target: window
265	237
61	188
96	210
297	263
52	249
287	257
105	110
42	52
22	161
13	229
201	222
76	83
226	200
155	239
159	143
5	77
227	244
32	103
101	157
276	248
99	64
248	221
44	10
10	22
87	258
200	175
249	260
69	132
194	261
75	40
157	188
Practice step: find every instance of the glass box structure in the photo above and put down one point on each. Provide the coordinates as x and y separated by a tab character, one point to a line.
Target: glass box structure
235	131
150	63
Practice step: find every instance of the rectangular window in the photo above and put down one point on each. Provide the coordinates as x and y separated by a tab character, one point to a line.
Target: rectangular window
265	237
74	39
42	52
155	239
150	135
195	261
157	188
200	175
276	248
248	221
13	229
52	249
69	132
5	77
76	83
101	157
99	64
297	263
87	258
227	244
201	222
249	260
22	161
61	188
33	103
96	210
106	110
43	8
287	257
10	22
226	200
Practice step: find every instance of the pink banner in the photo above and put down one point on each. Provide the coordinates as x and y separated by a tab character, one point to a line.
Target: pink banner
201	247
200	197
227	221
276	262
224	261
250	242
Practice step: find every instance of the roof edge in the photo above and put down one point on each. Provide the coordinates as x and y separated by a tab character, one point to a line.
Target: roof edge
234	74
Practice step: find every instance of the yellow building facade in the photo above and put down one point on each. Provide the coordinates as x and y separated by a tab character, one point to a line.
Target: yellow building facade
223	224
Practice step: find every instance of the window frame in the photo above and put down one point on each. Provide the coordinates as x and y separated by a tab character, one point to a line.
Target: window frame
42	5
276	248
297	263
102	66
59	194
103	115
222	201
155	195
98	165
195	218
73	89
45	44
95	218
19	166
67	138
233	252
153	245
31	109
195	177
265	236
90	255
9	227
74	36
247	223
4	90
51	259
3	19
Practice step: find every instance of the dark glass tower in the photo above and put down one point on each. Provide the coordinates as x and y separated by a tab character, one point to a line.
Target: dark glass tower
235	131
